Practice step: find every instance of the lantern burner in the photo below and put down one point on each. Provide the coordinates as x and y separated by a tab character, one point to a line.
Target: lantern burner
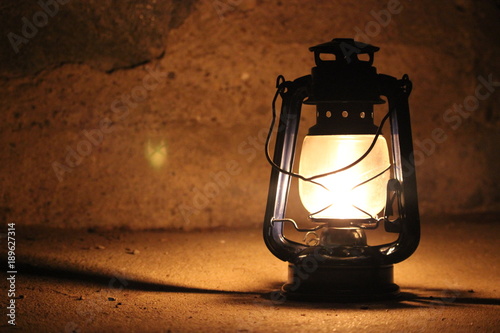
344	236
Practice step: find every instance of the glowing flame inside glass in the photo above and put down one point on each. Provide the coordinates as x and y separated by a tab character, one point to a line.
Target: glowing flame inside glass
325	153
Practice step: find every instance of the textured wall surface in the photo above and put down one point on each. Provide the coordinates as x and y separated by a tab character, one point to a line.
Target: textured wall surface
153	114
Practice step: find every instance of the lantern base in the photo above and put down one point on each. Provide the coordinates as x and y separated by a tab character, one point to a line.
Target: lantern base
340	283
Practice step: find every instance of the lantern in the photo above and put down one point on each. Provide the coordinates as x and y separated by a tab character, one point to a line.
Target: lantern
351	181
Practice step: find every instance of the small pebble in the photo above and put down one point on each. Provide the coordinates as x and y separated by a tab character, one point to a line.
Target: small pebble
471	291
100	247
111	299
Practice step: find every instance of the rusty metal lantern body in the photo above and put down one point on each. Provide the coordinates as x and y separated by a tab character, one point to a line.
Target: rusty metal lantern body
341	266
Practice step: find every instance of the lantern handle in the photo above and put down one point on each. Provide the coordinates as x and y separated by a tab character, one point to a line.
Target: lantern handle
279	81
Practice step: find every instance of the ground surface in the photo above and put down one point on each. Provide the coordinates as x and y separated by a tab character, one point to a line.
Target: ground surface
159	281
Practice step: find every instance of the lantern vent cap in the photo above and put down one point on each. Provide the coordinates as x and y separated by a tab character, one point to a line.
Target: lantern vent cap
338	45
346	50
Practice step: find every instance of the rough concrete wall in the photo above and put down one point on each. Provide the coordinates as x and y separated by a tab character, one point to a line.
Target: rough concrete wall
105	34
160	123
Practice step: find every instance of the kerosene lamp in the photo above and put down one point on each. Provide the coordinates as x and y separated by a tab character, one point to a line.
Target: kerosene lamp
348	180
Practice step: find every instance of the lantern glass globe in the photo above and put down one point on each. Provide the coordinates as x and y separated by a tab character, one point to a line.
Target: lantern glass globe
325	153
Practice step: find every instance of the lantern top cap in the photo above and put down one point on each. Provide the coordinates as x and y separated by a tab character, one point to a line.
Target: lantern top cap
339	46
346	77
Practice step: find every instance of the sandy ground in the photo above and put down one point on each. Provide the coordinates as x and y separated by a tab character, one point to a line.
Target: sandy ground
219	281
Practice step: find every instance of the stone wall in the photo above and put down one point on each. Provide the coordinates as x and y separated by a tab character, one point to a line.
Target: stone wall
152	114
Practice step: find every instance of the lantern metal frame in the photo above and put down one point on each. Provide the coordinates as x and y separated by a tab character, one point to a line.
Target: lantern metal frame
314	274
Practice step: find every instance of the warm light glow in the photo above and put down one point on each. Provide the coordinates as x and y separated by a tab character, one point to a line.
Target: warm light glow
325	153
156	154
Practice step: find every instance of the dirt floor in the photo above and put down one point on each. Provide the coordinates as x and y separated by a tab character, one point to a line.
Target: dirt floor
220	281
